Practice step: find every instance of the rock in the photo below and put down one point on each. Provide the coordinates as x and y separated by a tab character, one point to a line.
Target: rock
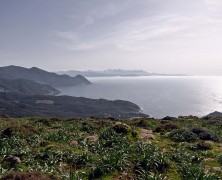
93	138
12	160
208	159
74	142
146	134
209	142
147	131
218	169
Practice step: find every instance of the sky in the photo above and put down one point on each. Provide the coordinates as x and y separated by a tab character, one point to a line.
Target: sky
163	36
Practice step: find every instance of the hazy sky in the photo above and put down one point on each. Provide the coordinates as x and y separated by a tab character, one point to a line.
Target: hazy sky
169	36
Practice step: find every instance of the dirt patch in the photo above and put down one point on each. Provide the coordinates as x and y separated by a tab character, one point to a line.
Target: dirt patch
123	176
28	176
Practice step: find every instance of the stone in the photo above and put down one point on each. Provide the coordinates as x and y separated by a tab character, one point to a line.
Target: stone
74	142
93	138
146	134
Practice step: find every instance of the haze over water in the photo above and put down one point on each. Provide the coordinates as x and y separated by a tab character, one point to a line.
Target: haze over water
158	96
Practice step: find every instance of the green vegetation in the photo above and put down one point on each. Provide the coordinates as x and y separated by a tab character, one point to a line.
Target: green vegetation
95	148
19	105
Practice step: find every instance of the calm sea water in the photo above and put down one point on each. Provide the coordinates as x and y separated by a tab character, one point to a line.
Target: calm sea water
158	96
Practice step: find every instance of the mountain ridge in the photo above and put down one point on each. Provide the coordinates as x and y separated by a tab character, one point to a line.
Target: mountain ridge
26	87
41	76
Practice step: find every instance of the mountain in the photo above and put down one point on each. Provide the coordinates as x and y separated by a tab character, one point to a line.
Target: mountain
18	105
27	87
215	114
114	72
41	76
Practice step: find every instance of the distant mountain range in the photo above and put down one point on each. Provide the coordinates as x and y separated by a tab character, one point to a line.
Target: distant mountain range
18	105
41	76
26	87
114	72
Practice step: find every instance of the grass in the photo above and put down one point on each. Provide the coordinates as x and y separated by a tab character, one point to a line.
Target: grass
183	148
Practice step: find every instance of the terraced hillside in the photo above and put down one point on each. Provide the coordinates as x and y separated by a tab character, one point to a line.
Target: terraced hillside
92	148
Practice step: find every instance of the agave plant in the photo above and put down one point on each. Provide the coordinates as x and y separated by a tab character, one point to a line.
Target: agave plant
2	170
143	174
194	172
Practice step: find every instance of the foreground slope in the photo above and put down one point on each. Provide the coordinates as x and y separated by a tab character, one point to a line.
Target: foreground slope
184	148
41	76
65	107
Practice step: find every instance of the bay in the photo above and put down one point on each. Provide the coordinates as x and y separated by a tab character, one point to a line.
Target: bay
158	96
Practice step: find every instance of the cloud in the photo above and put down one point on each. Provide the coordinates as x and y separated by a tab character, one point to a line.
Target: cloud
105	27
135	34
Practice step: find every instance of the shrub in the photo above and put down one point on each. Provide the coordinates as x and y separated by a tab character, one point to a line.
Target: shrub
143	174
121	128
180	156
134	134
204	146
219	159
45	122
201	146
87	127
8	132
215	122
23	130
193	171
169	118
182	135
205	134
150	158
81	160
115	161
141	123
166	127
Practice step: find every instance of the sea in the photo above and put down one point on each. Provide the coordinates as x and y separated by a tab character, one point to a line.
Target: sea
158	96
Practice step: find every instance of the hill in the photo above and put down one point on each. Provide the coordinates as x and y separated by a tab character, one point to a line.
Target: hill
41	76
26	87
18	105
215	114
